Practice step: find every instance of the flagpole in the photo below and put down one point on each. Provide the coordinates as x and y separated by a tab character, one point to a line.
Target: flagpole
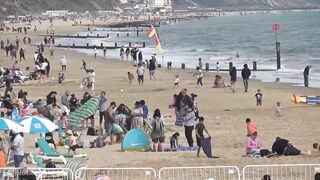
164	72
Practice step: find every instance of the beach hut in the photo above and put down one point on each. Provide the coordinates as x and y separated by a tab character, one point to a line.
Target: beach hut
136	140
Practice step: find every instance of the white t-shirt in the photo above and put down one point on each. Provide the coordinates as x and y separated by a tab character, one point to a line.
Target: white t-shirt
140	71
18	142
64	61
177	80
35	57
91	76
44	66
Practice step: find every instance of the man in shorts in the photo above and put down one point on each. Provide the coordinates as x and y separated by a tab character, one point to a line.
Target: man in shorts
109	120
140	73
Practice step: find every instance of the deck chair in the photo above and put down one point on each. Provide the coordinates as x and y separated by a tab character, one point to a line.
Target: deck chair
36	159
47	150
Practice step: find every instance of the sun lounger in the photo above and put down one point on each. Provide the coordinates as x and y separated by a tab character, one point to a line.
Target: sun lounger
39	159
48	151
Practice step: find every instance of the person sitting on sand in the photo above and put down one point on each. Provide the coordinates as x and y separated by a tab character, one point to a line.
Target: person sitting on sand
284	147
157	132
253	145
218	82
24	173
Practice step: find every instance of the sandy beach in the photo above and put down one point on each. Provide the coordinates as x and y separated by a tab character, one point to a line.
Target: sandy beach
224	112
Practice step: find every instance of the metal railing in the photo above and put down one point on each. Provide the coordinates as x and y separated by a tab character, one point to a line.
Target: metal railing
116	173
204	172
281	172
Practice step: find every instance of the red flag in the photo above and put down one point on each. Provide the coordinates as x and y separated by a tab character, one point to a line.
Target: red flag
276	27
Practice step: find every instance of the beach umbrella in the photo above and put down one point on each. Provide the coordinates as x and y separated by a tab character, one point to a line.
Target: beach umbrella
6	124
36	124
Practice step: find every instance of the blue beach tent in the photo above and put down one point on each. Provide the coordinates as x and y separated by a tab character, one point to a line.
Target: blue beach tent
136	140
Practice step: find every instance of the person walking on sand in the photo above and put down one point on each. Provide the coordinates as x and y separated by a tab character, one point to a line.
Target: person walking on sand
140	73
95	52
127	53
306	75
103	106
64	63
200	63
130	77
104	53
108	122
258	98
199	76
152	68
245	73
233	76
200	127
218	68
122	53
158	131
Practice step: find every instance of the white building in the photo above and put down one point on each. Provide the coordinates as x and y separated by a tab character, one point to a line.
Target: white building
56	13
158	3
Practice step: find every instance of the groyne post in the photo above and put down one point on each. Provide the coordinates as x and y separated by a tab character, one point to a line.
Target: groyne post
254	65
278	55
207	67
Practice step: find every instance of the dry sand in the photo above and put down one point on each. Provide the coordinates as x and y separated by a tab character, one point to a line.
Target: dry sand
299	124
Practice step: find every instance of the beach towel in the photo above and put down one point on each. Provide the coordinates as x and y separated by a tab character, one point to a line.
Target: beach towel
182	148
206	146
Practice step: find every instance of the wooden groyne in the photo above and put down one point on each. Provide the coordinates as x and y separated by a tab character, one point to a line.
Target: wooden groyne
101	46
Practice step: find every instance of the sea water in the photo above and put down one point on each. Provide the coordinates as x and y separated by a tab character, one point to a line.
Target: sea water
218	39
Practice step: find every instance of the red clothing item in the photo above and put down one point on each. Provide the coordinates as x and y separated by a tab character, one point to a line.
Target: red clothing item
251	128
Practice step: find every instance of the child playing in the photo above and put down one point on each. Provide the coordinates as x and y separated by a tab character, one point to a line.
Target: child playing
60	77
251	127
64	123
258	98
278	110
130	77
174	141
199	133
176	81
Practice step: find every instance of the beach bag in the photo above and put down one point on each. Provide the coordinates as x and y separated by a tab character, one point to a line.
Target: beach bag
264	152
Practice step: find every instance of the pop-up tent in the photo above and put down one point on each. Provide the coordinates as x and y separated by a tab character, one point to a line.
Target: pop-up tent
136	140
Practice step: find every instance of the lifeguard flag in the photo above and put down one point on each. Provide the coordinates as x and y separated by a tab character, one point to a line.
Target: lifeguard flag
152	32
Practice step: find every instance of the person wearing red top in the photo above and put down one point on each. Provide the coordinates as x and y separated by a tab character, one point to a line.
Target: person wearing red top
251	127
